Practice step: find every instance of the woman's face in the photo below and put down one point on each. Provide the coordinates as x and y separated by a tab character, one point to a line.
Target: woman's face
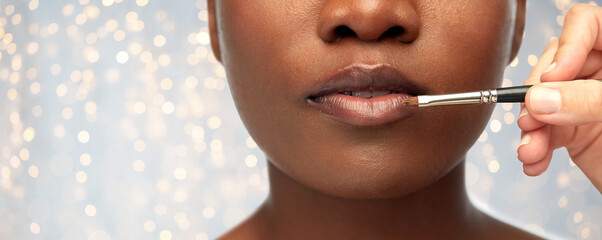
318	84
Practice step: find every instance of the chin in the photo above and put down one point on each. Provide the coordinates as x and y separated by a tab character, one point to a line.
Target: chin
350	177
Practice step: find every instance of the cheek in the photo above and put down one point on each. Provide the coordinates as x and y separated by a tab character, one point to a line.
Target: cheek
469	38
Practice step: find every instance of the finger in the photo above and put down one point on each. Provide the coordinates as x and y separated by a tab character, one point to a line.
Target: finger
544	61
580	35
534	145
540	167
526	122
566	103
593	65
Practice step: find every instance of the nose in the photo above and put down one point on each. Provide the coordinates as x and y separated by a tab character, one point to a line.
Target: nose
368	20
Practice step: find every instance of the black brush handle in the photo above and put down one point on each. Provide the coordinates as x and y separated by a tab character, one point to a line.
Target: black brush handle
512	94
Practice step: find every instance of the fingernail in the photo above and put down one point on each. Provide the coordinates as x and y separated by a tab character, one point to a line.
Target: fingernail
545	100
550	68
523	112
526	139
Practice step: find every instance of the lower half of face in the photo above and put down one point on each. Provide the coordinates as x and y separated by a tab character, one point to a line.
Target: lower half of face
314	102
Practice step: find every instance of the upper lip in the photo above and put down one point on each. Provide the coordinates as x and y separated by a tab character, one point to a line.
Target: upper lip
367	78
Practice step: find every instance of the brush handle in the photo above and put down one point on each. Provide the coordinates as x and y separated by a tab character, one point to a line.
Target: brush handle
512	94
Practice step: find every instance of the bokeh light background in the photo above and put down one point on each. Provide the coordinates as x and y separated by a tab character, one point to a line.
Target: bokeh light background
116	122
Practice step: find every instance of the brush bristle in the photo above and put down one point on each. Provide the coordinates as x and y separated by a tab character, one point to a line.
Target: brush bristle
412	102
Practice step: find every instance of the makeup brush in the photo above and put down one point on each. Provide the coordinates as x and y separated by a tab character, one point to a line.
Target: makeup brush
499	95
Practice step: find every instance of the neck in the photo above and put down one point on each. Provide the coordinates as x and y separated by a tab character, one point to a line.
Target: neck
442	209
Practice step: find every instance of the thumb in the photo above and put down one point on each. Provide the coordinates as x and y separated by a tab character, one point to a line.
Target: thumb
566	103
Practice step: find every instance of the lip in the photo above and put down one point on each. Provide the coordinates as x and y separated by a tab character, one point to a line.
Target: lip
328	97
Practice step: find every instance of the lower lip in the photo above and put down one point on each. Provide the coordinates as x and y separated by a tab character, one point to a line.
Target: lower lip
358	111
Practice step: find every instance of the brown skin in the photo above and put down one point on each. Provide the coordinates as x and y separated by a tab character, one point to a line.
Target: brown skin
330	180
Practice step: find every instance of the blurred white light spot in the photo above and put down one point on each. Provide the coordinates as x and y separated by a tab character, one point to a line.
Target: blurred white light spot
509	118
12	94
180	173
577	217
83	136
34	227
563	202
165	234
92	56
532	59
15	162
5	172
139	108
166	84
107	3
55	69
493	166
585	233
24	154
90	210
81	177
85	159
90	107
135	48
122	57
143	3
164	60
507	106
59	131
29	134
61	90
33	5
35	88
203	38
191	82
32	48
563	180
216	145
139	145
150	226
198	133
33	171
138	165
119	35
163	186
208	212
214	122
201	236
159	41
495	126
168	108
251	161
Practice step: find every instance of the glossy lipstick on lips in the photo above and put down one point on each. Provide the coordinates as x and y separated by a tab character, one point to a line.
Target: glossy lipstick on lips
365	95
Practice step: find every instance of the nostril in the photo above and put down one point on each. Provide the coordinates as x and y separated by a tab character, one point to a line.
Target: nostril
344	31
393	32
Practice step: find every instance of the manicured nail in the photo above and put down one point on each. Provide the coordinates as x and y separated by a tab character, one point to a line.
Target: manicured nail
550	68
523	112
545	100
526	139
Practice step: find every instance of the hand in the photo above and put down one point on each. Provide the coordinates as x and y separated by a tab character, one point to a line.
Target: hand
564	107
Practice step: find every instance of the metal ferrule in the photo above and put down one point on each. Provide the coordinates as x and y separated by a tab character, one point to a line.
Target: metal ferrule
489	96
